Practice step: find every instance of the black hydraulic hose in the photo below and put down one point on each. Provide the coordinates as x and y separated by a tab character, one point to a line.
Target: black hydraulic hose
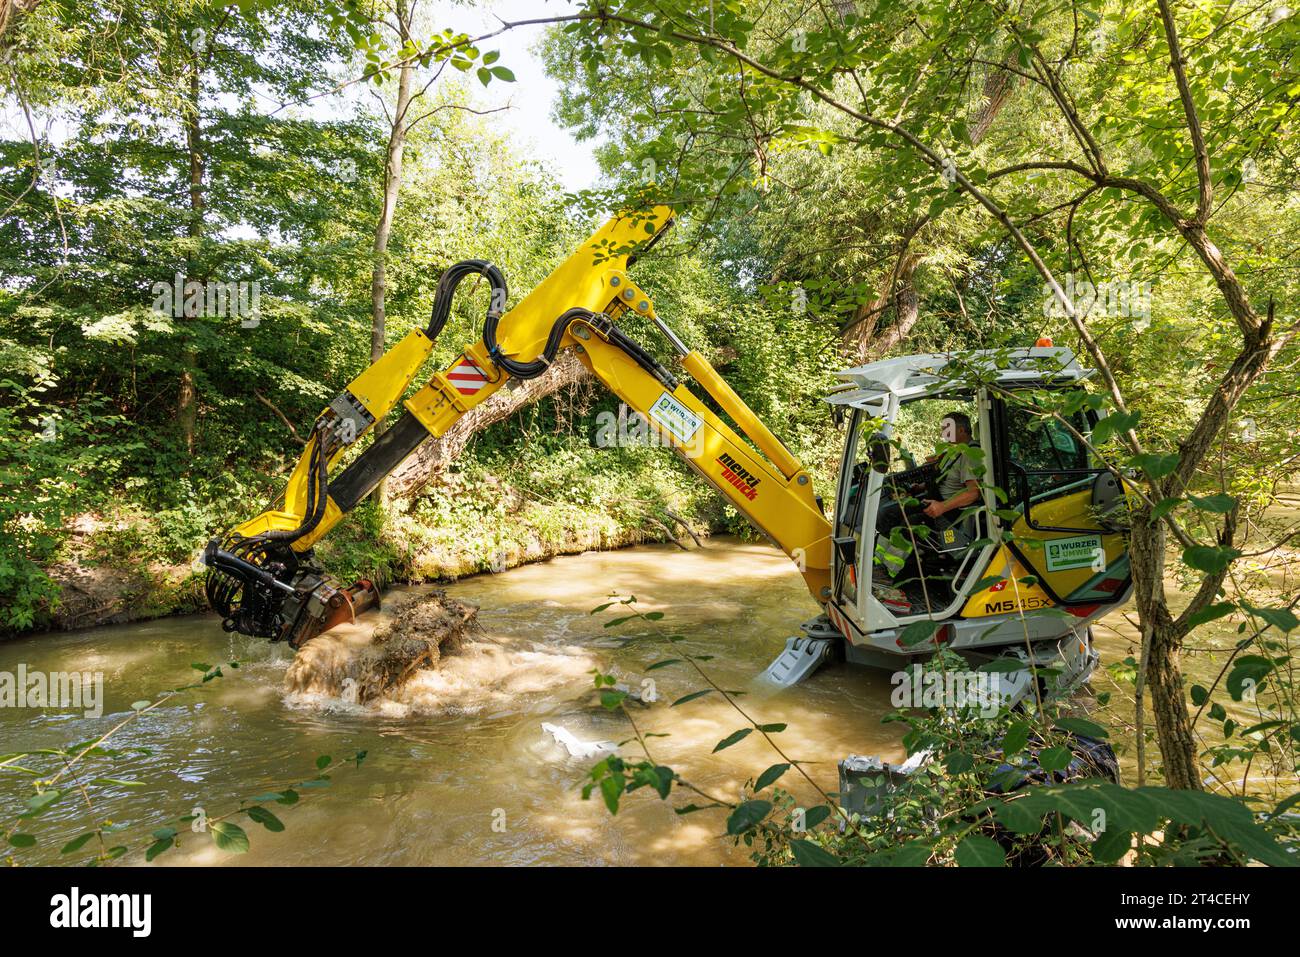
452	278
530	370
317	494
642	358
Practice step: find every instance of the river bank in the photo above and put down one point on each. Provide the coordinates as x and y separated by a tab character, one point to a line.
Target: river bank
111	572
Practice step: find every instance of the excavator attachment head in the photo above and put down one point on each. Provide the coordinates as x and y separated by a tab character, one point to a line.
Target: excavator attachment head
266	590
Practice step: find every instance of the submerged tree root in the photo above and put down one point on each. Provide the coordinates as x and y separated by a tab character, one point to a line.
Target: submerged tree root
361	663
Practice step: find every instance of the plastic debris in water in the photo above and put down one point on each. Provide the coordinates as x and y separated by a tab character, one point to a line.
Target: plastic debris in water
576	747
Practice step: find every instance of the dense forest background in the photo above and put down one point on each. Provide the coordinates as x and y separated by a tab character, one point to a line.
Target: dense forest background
132	434
854	179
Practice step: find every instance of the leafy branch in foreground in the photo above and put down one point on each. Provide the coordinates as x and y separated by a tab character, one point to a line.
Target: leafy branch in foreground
1020	786
81	771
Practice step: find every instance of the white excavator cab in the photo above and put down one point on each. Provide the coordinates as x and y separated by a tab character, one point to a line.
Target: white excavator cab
1023	569
1035	554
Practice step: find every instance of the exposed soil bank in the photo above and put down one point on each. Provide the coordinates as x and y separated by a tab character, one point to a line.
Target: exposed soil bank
103	593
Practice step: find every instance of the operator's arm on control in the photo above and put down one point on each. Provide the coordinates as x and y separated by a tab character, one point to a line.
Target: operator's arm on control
969	495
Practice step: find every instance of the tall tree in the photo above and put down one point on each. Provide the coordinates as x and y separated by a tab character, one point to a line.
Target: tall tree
1139	145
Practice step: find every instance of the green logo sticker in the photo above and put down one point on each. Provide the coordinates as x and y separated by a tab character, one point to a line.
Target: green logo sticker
675	417
1081	551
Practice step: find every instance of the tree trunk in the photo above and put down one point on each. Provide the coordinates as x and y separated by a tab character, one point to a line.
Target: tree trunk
435	454
392	188
384	228
187	395
860	342
11	11
1163	638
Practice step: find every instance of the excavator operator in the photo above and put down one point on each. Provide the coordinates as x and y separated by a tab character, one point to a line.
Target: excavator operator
957	487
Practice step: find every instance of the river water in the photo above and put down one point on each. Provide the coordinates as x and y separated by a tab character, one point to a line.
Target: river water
458	768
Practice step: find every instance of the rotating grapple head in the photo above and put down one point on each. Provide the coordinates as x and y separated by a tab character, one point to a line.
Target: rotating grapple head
265	589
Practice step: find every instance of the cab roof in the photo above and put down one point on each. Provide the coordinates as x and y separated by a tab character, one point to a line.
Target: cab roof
910	376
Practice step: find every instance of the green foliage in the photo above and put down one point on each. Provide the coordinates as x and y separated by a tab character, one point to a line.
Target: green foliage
1007	787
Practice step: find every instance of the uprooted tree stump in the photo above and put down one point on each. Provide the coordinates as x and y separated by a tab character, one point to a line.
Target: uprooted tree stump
361	662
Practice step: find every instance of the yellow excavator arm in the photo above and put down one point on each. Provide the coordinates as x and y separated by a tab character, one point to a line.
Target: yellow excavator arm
260	575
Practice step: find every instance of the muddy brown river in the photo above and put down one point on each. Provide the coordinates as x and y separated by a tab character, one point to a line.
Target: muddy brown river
459	770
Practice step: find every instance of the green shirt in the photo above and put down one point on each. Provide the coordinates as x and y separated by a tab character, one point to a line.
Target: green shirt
954	476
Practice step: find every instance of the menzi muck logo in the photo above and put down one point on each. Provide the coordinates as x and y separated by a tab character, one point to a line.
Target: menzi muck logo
737	475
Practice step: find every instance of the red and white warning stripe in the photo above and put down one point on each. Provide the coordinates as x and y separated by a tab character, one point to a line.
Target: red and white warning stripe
467	377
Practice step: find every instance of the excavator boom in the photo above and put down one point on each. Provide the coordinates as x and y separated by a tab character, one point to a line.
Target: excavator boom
261	577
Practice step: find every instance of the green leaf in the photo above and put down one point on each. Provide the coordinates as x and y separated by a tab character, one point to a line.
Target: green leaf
1164	507
1211	559
1210	613
808	854
1219	504
958	762
1117	423
1082	726
39	802
733	738
159	847
1017	736
1056	758
610	699
1113	844
917	632
1283	619
502	73
611	789
770	776
265	818
692	808
976	850
815	815
664	780
911	854
323	762
118	782
1015	817
1154	464
1247	671
691	697
229	837
747	815
22	840
664	664
1004	665
772	728
77	843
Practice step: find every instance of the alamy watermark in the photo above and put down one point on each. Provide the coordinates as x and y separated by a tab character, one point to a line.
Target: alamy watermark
628	428
72	690
218	300
1113	298
918	687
